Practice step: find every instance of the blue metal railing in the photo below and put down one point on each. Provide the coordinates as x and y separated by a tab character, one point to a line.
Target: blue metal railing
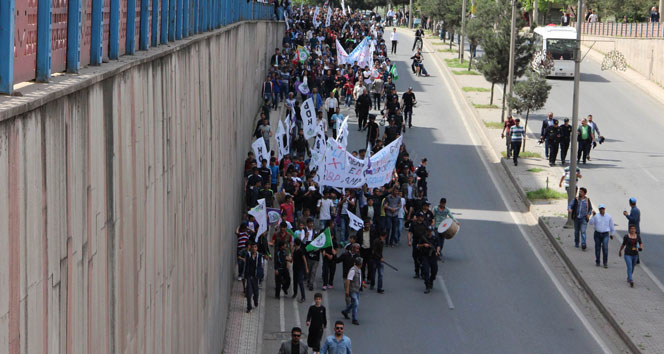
159	22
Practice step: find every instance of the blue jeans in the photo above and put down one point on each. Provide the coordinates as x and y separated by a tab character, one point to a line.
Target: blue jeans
631	262
601	241
354	304
344	227
349	100
580	226
393	230
268	97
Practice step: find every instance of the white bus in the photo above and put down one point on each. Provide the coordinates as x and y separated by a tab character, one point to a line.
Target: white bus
559	42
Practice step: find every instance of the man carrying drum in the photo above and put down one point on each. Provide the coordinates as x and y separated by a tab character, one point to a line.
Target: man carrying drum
443	215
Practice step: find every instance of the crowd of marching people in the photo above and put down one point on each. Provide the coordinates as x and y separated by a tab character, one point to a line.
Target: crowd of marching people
312	204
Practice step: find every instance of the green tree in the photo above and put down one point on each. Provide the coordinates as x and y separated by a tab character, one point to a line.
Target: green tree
529	95
494	64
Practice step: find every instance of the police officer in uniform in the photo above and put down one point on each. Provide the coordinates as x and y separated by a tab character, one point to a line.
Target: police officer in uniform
429	251
416	232
565	138
552	137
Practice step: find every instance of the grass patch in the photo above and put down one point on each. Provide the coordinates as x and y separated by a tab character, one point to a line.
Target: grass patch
465	72
525	154
535	169
446	50
439	43
493	125
483	106
455	63
545	194
474	89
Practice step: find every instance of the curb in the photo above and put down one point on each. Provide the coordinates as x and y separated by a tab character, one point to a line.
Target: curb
575	272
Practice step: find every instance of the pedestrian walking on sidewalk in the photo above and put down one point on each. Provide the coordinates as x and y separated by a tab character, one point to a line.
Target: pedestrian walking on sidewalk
337	343
353	285
551	138
517	136
294	346
253	266
632	245
317	322
604	229
580	208
505	134
565	136
548	122
634	218
586	137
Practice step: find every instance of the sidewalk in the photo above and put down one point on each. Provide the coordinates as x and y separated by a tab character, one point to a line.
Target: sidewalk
638	320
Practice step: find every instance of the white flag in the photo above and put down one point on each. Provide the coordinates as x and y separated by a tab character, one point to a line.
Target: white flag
260	151
282	140
343	7
260	213
308	114
329	16
342	133
355	222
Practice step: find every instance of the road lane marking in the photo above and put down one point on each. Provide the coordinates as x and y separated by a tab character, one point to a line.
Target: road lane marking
494	179
296	312
282	319
650	174
441	281
327	314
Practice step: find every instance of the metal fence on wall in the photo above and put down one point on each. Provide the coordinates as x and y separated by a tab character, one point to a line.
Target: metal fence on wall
634	30
47	36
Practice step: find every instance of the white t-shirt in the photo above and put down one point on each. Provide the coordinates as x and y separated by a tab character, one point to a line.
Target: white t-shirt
401	212
325	206
393	36
351	274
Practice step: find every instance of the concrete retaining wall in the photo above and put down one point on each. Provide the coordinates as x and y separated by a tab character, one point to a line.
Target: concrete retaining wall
643	55
118	200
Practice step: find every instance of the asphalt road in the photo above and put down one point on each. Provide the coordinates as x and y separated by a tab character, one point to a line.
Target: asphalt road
499	298
631	161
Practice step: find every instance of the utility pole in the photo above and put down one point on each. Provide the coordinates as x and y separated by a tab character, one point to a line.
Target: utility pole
410	14
463	31
510	77
661	5
571	191
535	19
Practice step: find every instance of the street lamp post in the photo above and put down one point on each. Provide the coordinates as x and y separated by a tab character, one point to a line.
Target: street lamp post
510	77
410	14
463	30
571	191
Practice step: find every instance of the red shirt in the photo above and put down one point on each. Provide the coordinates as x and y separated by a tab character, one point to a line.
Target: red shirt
282	237
288	208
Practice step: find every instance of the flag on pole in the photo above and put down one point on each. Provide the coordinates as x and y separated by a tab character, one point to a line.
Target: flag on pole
355	222
260	213
324	240
394	73
302	54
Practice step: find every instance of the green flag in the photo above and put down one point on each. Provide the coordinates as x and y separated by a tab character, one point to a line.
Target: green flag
324	240
302	54
394	73
290	232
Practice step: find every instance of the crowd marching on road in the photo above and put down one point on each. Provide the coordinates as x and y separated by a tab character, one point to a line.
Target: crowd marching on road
331	58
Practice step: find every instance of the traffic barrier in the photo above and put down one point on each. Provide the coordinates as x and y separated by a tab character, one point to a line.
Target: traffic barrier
48	36
615	29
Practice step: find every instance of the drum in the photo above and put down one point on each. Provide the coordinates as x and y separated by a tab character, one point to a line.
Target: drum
448	228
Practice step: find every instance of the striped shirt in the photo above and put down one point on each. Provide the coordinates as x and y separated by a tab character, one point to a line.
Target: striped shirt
242	239
517	133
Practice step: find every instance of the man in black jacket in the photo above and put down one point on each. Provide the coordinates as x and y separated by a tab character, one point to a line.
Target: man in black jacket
548	122
552	136
565	136
363	106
